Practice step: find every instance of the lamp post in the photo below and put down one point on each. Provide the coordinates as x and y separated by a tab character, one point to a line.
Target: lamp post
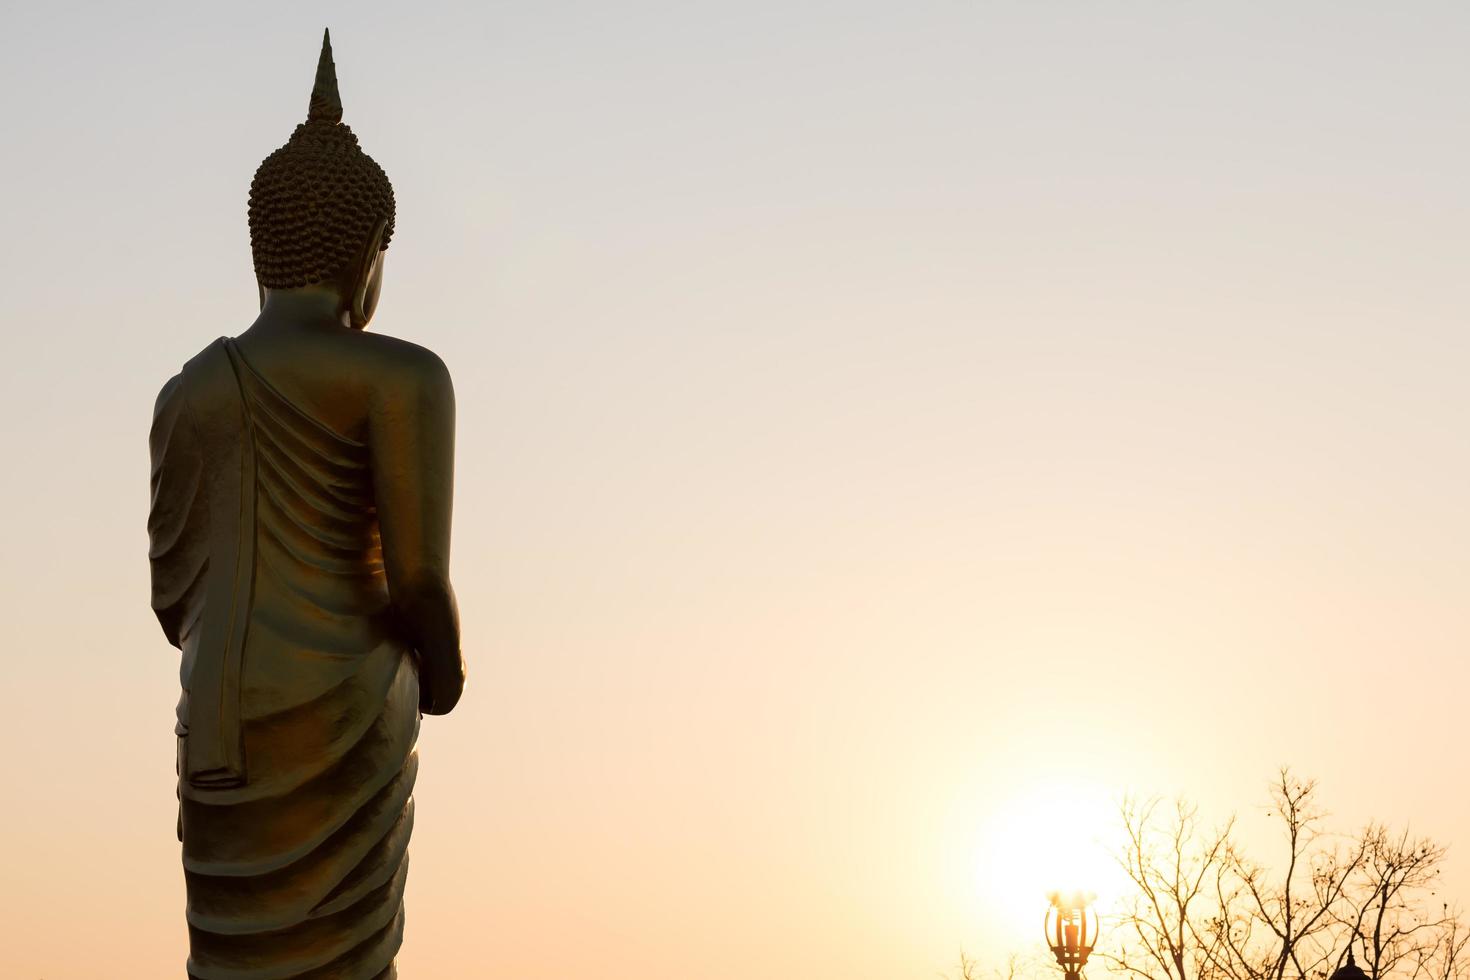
1071	931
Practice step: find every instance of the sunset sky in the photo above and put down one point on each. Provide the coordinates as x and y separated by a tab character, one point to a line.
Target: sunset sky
888	432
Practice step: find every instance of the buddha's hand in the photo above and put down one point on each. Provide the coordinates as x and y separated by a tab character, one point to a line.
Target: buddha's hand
441	682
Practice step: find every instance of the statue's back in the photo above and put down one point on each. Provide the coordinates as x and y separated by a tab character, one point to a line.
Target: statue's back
301	833
299	543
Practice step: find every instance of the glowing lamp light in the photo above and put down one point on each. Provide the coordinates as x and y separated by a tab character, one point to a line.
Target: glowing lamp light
1071	931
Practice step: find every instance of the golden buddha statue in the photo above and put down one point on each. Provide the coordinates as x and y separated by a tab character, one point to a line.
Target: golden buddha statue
299	542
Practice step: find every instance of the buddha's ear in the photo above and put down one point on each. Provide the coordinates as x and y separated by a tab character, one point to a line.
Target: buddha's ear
260	293
360	309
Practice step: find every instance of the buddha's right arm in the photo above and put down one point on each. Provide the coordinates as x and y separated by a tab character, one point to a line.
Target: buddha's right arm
412	440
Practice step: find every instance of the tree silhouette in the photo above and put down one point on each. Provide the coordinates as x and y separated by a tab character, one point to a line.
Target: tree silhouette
1203	909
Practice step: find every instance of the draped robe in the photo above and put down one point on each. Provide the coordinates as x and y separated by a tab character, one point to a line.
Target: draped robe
299	706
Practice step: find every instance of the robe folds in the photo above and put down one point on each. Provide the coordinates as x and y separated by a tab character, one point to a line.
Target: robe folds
299	707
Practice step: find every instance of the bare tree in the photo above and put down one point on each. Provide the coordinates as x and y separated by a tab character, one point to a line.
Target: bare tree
1384	905
1173	862
969	969
1279	925
1451	959
1203	909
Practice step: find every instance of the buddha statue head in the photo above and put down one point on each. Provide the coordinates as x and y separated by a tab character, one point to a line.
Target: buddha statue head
321	211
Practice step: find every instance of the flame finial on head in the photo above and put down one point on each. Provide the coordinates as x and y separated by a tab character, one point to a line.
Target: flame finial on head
326	101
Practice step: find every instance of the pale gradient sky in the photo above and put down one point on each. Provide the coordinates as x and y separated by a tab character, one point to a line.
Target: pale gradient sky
862	405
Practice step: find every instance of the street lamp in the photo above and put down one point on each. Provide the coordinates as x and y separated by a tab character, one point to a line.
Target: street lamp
1071	931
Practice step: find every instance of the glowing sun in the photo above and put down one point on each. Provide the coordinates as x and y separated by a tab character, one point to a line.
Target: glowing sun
1045	838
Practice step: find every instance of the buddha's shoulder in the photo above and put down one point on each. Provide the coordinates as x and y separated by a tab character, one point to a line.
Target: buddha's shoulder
174	388
396	361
